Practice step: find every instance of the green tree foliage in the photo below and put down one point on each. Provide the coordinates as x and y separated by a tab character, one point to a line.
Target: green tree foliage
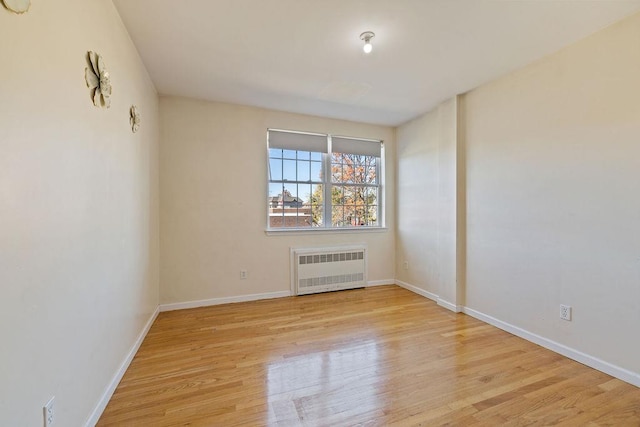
316	206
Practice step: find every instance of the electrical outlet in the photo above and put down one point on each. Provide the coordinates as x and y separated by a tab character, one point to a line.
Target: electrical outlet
244	274
49	413
565	312
406	265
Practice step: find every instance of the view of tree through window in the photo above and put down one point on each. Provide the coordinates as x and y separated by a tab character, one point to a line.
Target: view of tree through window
354	191
320	188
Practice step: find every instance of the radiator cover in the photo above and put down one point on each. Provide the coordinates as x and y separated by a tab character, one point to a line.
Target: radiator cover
328	269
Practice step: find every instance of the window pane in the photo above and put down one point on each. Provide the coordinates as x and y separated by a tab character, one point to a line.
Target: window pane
304	170
350	198
304	192
359	196
289	170
364	170
317	206
316	156
336	172
337	216
291	189
359	215
372	196
305	217
289	154
317	194
372	177
274	202
303	155
348	170
275	152
337	196
371	171
372	161
275	189
316	171
371	206
275	169
317	216
350	194
372	215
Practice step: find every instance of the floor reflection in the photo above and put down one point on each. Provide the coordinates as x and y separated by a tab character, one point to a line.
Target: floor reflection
321	385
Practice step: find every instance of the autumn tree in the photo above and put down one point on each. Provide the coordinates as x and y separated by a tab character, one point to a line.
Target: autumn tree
354	194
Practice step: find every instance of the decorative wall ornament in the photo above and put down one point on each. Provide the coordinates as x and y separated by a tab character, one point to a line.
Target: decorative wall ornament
98	80
134	118
17	6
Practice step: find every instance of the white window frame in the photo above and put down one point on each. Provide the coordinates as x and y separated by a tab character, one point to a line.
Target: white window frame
328	185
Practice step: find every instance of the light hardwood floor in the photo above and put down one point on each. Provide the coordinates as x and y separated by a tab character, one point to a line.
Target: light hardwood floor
379	356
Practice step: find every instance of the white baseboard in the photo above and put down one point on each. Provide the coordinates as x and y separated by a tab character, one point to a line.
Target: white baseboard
578	356
380	282
449	306
224	300
591	361
417	290
108	392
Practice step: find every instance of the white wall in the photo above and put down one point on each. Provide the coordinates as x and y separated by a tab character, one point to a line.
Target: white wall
416	202
537	175
553	196
426	204
213	163
78	210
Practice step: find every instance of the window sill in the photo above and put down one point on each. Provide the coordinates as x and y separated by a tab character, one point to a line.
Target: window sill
302	231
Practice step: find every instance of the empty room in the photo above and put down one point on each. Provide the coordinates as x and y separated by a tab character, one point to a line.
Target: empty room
330	213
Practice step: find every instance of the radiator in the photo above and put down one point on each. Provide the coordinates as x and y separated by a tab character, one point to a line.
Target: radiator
328	269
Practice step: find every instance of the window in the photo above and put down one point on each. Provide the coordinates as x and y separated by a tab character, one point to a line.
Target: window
323	181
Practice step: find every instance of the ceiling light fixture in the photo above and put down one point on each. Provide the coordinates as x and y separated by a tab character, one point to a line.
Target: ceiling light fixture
366	37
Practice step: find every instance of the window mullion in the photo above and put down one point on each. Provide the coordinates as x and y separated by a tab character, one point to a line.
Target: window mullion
379	193
326	167
326	188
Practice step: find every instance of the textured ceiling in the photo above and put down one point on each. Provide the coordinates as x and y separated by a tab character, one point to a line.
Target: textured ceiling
306	56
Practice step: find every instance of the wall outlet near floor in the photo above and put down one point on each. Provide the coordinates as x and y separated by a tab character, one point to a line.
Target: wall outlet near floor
406	265
49	412
565	312
244	274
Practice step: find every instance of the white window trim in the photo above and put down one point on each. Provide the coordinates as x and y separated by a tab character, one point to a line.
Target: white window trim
314	230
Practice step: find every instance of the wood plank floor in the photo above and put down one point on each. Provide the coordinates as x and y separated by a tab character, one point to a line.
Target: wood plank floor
380	356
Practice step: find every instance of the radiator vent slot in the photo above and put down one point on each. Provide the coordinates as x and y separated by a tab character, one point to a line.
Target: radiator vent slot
328	269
